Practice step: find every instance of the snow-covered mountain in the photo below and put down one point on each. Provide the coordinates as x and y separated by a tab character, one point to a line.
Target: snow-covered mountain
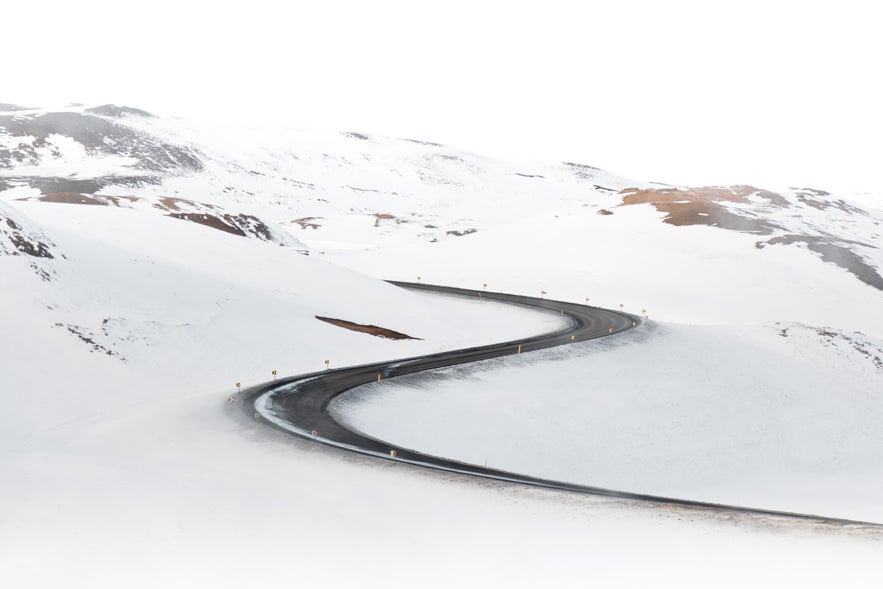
351	191
125	329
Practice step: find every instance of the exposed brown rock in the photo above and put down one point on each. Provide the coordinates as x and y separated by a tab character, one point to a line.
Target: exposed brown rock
221	223
369	329
703	206
378	217
76	198
308	222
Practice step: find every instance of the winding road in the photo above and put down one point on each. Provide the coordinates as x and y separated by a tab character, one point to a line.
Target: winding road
299	404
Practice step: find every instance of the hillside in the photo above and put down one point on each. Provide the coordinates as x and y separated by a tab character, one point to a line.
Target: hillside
149	265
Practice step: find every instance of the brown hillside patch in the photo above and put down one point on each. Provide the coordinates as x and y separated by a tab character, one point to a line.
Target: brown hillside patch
76	198
205	214
704	206
169	203
369	329
378	217
308	222
172	203
223	224
71	198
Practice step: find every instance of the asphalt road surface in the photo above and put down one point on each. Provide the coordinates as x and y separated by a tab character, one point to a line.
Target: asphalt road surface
299	404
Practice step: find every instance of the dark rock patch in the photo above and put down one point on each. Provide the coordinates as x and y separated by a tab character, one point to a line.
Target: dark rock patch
369	329
358	136
461	233
834	253
100	135
112	110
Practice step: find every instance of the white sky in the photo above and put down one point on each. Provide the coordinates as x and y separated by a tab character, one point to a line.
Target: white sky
769	93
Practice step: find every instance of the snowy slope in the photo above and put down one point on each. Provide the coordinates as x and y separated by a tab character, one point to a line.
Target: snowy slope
125	329
165	305
344	192
716	405
779	418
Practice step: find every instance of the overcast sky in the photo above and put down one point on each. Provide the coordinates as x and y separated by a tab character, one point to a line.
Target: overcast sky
770	93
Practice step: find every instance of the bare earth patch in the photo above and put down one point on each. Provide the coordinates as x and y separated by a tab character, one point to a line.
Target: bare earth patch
209	215
308	222
76	198
378	217
704	206
746	209
212	221
369	329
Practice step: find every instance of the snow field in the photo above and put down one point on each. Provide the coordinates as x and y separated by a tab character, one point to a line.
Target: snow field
132	469
735	415
175	307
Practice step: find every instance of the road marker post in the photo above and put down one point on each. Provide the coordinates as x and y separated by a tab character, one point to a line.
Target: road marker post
257	415
573	338
634	323
542	293
610	330
519	348
378	378
587	300
327	363
274	375
393	453
229	399
315	434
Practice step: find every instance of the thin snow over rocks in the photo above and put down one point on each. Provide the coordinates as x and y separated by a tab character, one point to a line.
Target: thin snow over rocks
241	224
751	210
18	236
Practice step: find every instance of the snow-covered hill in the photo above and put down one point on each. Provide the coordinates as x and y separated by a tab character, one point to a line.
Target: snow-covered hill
125	329
348	191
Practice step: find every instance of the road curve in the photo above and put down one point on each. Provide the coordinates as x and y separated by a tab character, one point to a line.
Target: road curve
299	404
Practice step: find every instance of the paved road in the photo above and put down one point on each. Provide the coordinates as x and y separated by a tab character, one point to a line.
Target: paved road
299	404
